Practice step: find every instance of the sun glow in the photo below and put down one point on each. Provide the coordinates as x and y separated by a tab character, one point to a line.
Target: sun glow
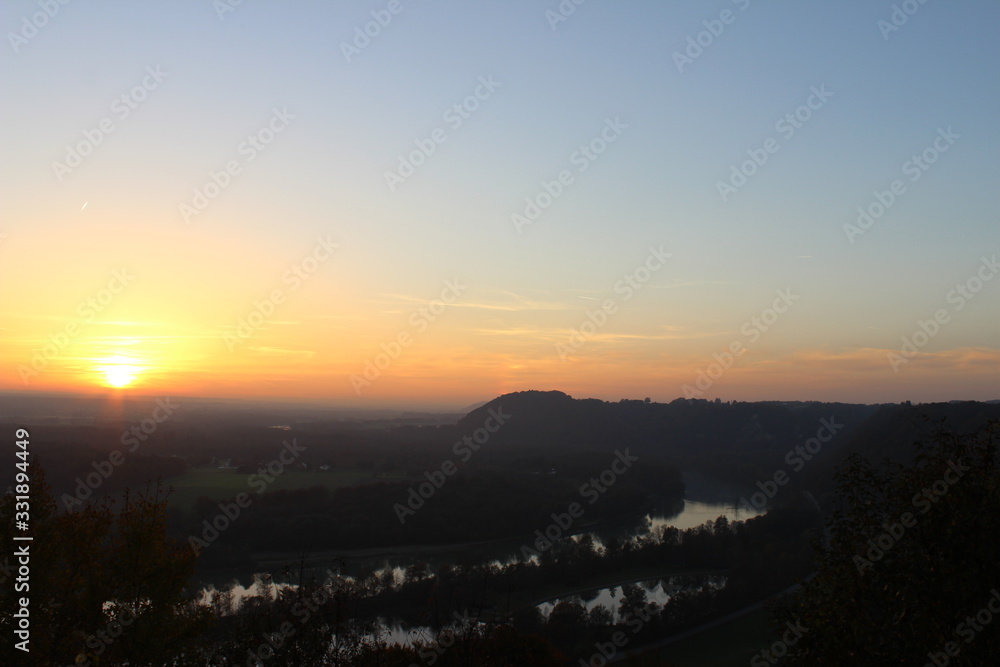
119	372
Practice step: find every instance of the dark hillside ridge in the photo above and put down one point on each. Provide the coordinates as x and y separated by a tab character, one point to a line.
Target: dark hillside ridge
738	441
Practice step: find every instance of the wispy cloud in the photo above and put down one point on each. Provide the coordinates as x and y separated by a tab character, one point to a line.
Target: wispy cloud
305	354
499	300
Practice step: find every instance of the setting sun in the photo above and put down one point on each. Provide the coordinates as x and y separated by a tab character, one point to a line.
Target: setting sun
119	372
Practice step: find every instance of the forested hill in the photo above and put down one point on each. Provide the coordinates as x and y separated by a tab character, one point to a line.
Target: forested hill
740	441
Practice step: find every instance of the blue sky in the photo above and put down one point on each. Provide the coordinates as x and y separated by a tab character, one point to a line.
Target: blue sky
655	185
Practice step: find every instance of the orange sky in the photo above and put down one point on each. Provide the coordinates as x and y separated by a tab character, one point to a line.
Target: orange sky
234	228
151	322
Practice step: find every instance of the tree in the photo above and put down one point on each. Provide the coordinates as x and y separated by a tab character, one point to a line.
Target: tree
910	562
105	583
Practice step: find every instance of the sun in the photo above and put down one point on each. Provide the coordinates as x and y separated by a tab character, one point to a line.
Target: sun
120	376
119	372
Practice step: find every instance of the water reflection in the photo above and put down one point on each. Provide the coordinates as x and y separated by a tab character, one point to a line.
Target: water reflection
656	591
682	515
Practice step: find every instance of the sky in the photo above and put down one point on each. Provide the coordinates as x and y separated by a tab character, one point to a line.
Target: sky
434	203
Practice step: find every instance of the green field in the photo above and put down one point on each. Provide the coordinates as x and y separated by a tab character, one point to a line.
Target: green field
220	484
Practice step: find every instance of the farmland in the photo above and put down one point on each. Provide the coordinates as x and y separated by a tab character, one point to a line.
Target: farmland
223	483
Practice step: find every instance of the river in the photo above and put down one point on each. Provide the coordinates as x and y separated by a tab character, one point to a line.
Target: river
500	552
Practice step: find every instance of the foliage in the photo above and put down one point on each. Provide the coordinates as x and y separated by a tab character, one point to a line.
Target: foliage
104	581
911	556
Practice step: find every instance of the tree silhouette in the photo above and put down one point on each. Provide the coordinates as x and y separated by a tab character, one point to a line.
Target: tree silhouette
910	562
106	583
